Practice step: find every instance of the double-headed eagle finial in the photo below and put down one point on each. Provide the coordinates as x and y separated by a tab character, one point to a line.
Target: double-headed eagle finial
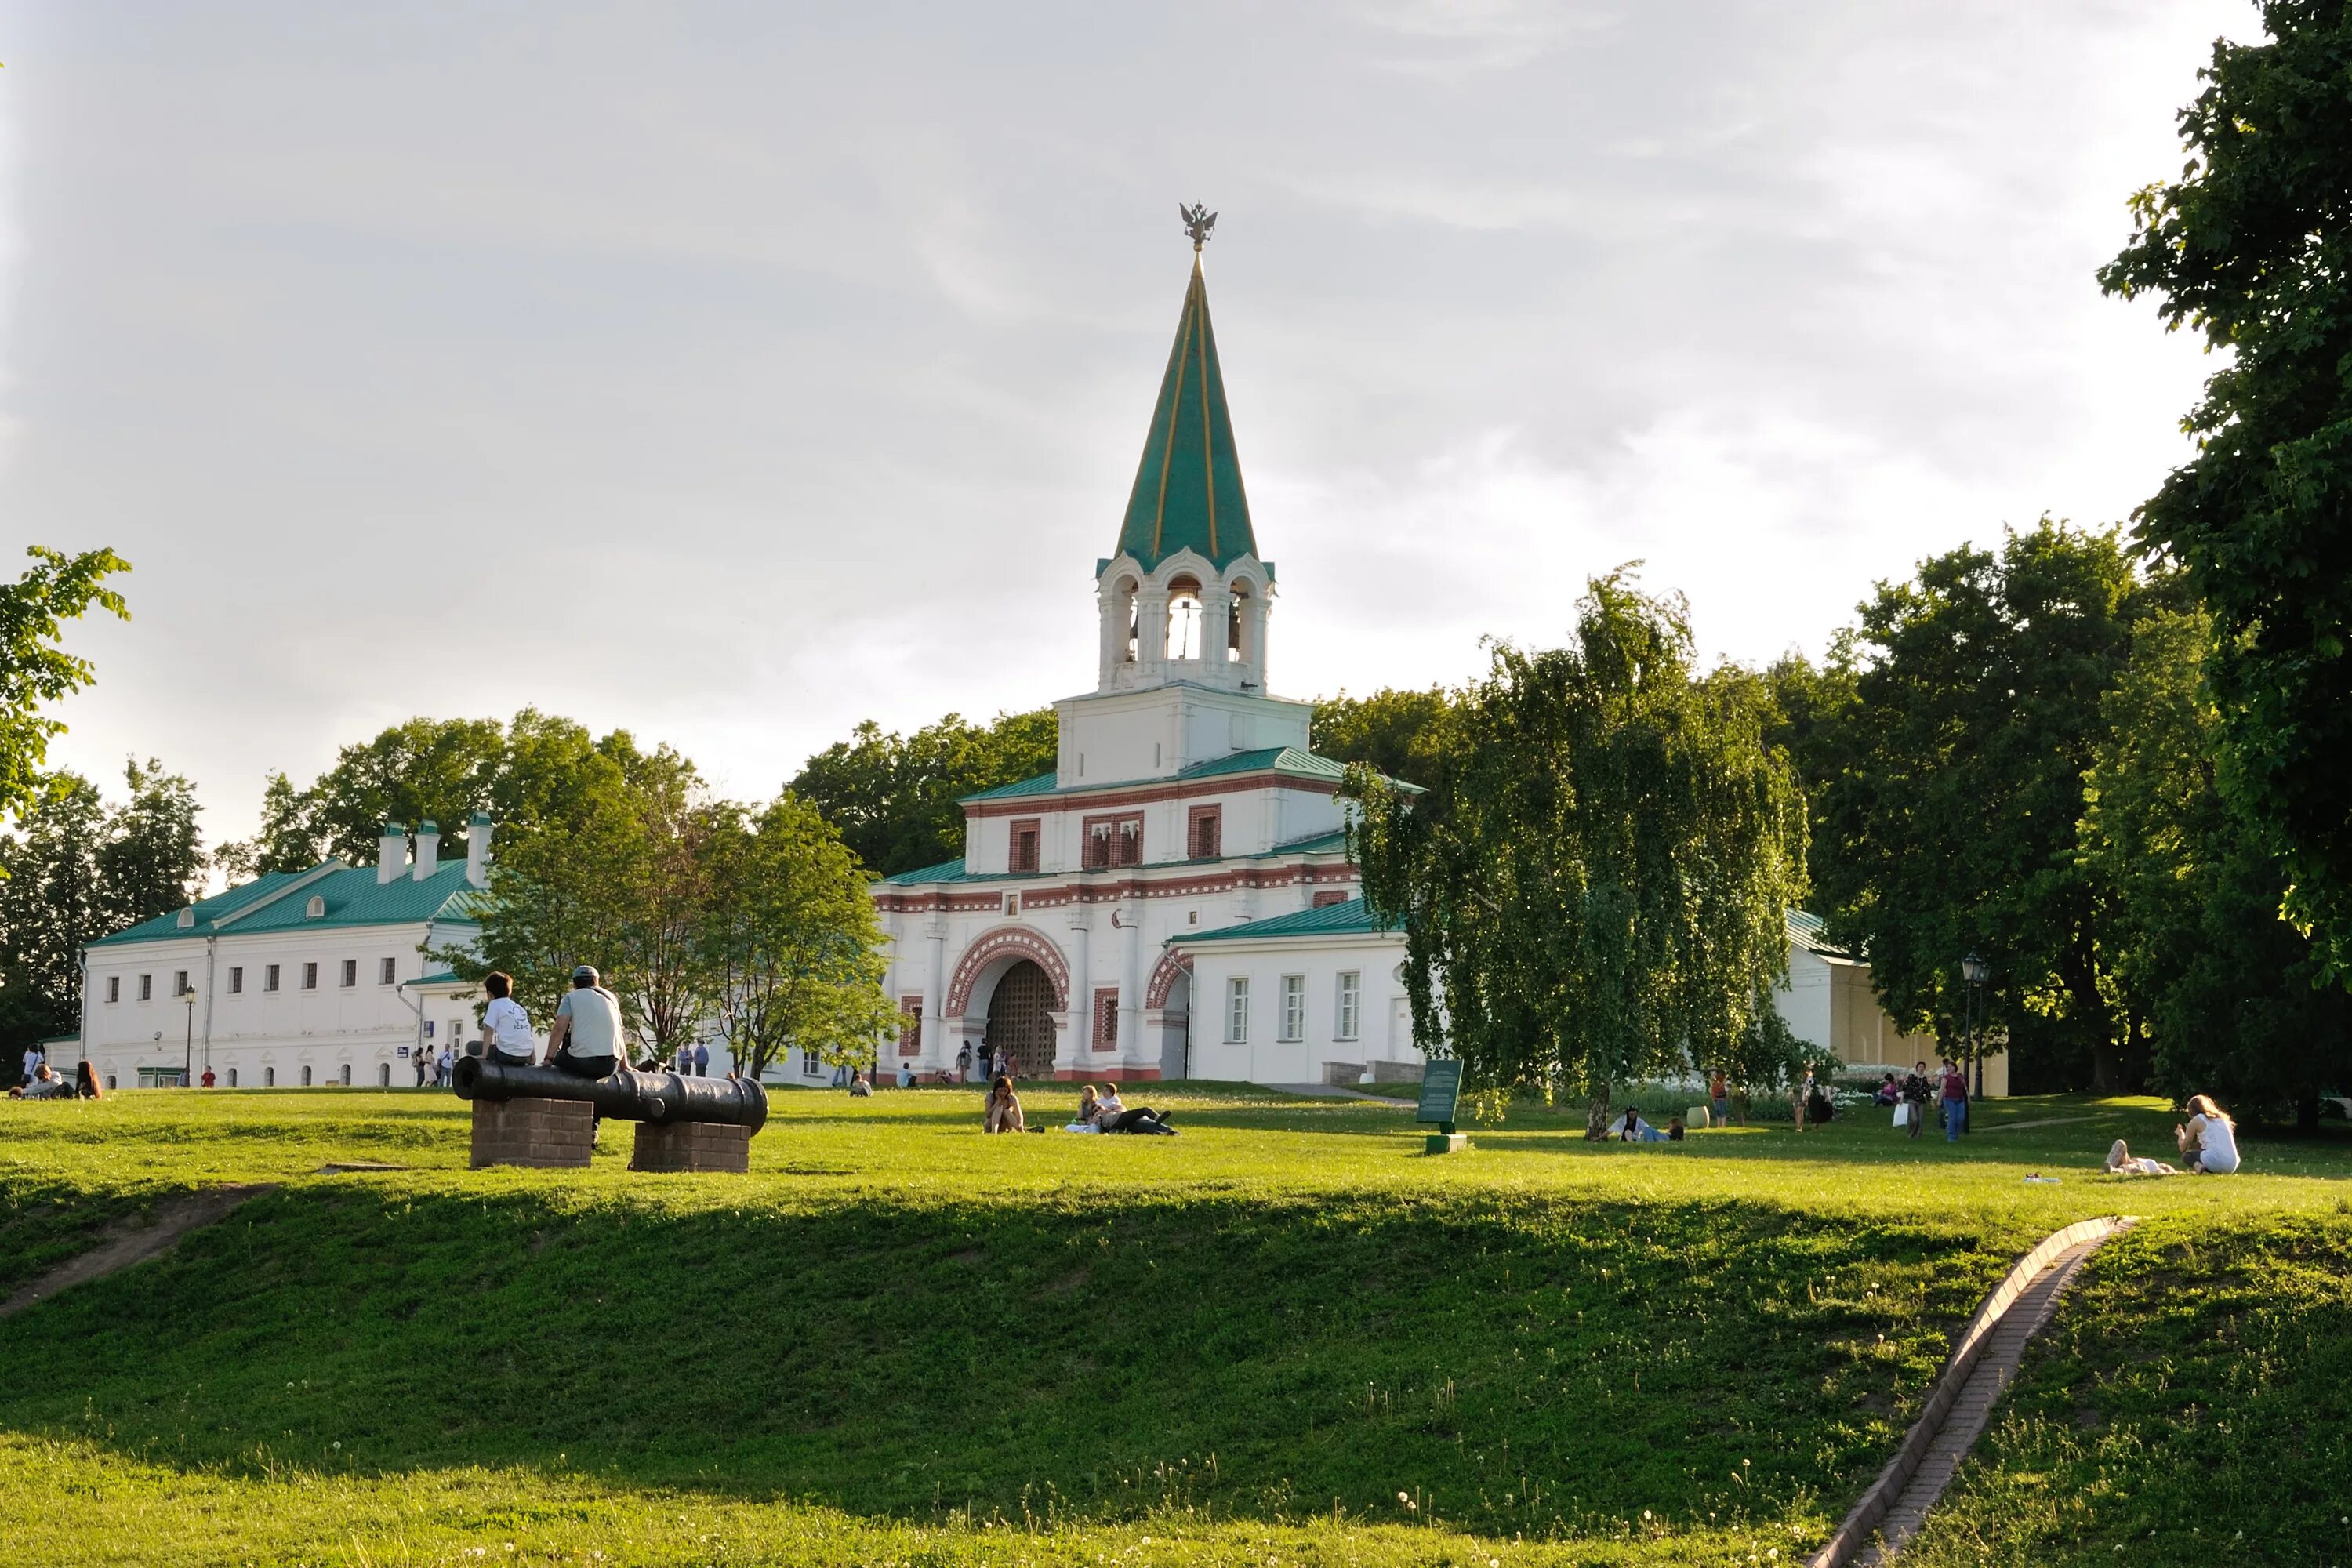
1198	221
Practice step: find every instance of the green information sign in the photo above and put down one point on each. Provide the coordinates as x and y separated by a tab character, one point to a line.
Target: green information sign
1441	1091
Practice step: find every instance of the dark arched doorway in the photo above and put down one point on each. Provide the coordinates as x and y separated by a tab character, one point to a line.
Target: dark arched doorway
1020	1020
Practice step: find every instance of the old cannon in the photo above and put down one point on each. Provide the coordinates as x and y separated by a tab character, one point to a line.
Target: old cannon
659	1098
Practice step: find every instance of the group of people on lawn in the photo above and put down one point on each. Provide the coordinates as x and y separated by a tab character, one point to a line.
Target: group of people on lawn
42	1082
1099	1110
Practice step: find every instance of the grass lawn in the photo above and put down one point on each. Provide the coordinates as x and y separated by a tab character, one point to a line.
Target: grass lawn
1284	1336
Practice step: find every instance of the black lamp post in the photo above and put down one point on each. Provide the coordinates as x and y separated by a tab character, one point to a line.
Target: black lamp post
1975	971
188	1046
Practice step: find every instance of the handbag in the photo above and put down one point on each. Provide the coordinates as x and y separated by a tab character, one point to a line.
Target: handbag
1903	1114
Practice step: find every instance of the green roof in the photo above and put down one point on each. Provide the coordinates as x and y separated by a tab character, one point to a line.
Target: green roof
446	977
1188	488
1350	917
1288	760
353	897
945	871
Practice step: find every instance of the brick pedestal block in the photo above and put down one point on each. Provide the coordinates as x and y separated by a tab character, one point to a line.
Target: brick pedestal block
691	1146
559	1134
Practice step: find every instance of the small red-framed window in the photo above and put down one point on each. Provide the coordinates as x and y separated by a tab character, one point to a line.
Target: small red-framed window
911	1025
1107	1018
1331	896
1025	834
1203	832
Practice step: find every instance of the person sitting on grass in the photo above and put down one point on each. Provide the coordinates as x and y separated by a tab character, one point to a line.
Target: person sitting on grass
1888	1091
1004	1109
1634	1130
47	1085
858	1088
1107	1113
2121	1162
1674	1129
85	1081
2209	1139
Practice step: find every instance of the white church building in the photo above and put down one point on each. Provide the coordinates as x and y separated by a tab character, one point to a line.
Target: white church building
1174	900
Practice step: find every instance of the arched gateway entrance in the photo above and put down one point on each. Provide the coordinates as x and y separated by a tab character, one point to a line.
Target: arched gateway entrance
1020	1021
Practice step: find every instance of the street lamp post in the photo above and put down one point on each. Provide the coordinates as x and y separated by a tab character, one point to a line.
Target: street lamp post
1975	971
188	1046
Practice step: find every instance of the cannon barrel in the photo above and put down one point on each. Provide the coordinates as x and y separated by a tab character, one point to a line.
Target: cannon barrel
626	1096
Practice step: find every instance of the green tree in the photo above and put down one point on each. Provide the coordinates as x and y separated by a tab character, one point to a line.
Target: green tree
893	798
1950	822
152	860
790	944
2252	247
33	670
1595	885
538	769
51	904
1812	709
2230	998
1391	731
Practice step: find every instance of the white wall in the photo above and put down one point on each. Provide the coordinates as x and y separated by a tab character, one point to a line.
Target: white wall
1383	1029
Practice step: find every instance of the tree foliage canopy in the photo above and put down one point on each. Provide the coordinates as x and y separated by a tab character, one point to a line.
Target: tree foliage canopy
1595	885
1950	812
893	798
33	670
2226	993
1393	731
2252	247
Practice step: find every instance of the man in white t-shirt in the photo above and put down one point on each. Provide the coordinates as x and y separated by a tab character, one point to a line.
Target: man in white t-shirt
506	1027
585	1040
33	1060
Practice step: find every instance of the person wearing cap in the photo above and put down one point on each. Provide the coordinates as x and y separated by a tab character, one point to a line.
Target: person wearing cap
585	1040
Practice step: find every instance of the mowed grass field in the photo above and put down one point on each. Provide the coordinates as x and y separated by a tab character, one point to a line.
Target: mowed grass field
1287	1336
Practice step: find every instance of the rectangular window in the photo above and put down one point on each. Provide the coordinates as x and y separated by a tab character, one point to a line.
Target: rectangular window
1011	903
310	982
1351	999
236	979
114	988
351	973
1294	1008
180	983
428	1028
269	1077
1202	835
269	978
1107	1018
146	986
1024	844
1237	1010
384	972
1331	896
911	1025
1114	841
811	1066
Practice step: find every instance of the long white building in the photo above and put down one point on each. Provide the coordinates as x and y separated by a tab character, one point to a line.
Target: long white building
296	978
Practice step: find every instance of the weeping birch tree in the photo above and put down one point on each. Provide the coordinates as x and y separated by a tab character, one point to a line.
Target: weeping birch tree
1593	887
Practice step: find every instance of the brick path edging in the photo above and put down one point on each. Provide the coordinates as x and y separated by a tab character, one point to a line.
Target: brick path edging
1863	1522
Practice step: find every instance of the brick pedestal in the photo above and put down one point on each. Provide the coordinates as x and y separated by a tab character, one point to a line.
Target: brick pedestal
691	1146
559	1134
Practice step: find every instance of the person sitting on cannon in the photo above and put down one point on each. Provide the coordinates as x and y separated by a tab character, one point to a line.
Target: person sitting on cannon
585	1040
506	1027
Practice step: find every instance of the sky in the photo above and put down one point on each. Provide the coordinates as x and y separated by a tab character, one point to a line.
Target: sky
731	374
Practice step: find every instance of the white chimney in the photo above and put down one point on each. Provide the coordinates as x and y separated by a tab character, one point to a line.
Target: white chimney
392	855
429	849
477	849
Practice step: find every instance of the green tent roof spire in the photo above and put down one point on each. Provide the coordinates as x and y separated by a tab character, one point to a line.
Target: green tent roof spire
1188	489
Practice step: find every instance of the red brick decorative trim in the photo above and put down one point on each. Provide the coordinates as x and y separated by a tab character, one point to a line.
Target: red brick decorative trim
1163	980
911	1025
1006	942
1109	890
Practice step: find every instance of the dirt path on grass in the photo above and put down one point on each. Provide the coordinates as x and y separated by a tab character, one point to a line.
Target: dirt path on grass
121	1246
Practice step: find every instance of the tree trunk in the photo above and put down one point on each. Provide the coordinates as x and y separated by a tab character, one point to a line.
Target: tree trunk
1596	1113
2307	1113
2107	1068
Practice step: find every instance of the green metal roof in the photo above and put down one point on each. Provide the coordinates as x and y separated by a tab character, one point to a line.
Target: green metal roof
446	977
1288	760
1350	917
1188	489
353	897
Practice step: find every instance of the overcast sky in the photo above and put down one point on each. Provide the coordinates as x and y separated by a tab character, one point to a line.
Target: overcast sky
733	373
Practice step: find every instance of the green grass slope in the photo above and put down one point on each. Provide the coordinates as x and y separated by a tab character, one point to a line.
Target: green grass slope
1286	1335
